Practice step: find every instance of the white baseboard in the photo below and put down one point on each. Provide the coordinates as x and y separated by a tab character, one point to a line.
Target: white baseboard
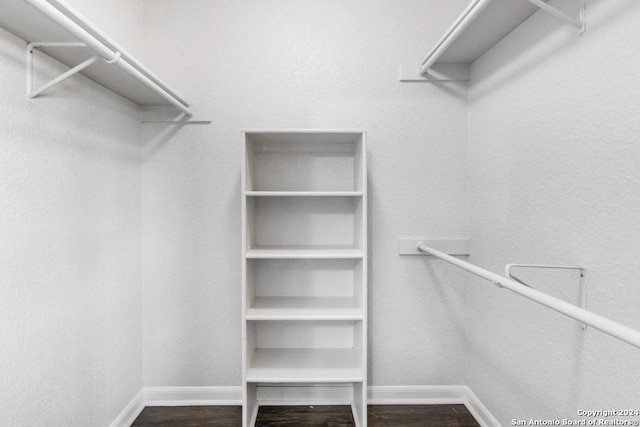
377	395
433	395
193	396
130	412
320	394
416	395
479	411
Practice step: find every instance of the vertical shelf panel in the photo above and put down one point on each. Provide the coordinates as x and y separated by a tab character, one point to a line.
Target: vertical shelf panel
304	279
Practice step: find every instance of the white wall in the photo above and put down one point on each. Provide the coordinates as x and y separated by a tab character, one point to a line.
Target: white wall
554	178
552	162
300	64
121	20
70	251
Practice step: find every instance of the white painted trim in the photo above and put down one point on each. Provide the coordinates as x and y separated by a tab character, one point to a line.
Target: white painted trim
376	395
130	412
193	396
416	395
433	395
304	402
304	394
479	411
354	414
254	416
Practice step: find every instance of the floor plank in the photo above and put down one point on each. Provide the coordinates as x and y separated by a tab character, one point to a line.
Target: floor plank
420	416
190	416
307	416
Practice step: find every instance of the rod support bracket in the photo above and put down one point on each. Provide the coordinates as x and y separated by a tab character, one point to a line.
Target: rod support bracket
582	298
578	22
29	68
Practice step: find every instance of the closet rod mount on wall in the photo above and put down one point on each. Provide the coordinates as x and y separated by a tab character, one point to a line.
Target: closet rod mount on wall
582	286
601	323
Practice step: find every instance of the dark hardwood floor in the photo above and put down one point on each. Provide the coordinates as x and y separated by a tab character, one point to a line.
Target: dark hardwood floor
307	416
420	416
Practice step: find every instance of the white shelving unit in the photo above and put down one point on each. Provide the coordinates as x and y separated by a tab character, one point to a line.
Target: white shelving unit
304	281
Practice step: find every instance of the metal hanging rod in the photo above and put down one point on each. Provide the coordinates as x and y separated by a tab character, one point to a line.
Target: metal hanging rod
601	323
105	48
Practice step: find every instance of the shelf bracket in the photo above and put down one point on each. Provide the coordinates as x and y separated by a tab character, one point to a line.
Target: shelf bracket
34	45
578	23
583	285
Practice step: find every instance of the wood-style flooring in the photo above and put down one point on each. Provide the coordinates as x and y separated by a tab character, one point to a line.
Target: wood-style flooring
307	416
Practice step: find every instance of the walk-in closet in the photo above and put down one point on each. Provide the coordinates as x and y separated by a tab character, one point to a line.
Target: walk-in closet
259	213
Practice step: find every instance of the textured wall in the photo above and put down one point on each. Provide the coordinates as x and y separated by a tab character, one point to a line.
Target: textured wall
70	227
300	64
121	20
554	178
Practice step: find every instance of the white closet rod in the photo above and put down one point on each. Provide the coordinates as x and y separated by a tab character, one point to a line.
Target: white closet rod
112	54
608	326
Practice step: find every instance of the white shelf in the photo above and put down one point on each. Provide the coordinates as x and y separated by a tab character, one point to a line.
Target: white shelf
29	24
272	138
303	193
304	366
305	308
483	24
493	24
302	251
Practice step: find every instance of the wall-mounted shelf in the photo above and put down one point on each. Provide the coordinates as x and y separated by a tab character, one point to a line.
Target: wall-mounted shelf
42	22
480	26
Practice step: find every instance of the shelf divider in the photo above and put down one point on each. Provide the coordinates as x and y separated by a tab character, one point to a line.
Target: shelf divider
302	252
304	308
303	193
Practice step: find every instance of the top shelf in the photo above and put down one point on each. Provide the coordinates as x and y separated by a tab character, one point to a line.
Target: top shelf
54	21
304	163
481	26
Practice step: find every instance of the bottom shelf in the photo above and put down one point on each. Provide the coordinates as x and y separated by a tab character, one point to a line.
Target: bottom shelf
270	365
